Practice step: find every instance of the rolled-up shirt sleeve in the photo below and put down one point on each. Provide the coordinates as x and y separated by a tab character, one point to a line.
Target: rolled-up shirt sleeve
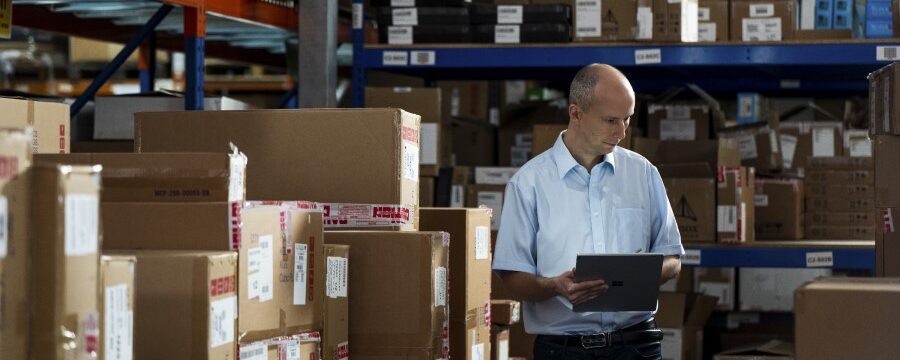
515	247
664	235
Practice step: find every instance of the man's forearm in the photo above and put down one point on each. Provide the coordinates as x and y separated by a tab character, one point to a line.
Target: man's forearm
670	268
527	287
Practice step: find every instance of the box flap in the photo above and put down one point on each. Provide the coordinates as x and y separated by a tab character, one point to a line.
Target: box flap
700	308
774	348
688	170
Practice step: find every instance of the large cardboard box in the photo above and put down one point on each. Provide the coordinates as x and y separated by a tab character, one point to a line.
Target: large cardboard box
682	21
65	259
169	177
681	317
370	156
887	244
505	312
117	307
333	295
719	283
884	115
759	145
721	152
692	192
171	226
887	170
779	209
425	102
867	313
800	140
602	20
678	121
470	276
490	196
735	205
15	273
764	289
401	278
114	115
49	122
762	20
713	24
186	305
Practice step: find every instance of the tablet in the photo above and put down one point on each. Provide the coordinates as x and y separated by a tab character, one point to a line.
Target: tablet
633	281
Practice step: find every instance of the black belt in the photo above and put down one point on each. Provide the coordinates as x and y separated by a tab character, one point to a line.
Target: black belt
640	333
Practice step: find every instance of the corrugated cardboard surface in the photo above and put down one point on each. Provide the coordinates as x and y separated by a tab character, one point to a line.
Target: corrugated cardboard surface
735	205
843	218
618	20
718	15
841	163
170	177
336	312
868	311
49	121
772	350
177	292
474	144
167	226
521	343
779	209
692	194
15	275
840	203
858	177
829	232
65	260
366	156
684	315
784	9
116	310
698	115
887	170
760	146
505	312
425	102
544	136
399	281
470	274
464	99
798	143
887	243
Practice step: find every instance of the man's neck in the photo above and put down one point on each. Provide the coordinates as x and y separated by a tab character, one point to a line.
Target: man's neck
582	156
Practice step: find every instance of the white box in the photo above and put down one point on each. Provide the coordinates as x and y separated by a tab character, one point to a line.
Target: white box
114	115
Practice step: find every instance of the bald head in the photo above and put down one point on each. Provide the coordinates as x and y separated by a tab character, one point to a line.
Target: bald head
612	81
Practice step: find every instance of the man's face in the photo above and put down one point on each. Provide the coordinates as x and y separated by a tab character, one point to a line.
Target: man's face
605	122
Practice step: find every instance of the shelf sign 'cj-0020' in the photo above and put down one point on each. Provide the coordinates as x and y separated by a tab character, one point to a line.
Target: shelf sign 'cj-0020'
647	56
820	259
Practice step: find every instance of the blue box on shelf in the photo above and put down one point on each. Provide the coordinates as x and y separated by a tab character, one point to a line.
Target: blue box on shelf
824	14
843	14
750	108
876	29
879	10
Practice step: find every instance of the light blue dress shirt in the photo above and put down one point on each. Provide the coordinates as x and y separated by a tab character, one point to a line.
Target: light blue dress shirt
554	210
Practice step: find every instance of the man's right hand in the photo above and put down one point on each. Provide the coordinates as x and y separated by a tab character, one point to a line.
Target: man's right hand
577	292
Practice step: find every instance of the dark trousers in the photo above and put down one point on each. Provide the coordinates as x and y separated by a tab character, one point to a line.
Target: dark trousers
571	347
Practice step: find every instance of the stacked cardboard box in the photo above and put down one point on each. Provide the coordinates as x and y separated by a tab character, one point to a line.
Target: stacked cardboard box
668	21
49	122
801	140
489	189
762	20
681	317
678	121
335	302
117	291
15	273
884	128
713	24
840	199
779	209
426	102
300	346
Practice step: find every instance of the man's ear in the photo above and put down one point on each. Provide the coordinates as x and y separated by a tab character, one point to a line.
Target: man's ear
574	112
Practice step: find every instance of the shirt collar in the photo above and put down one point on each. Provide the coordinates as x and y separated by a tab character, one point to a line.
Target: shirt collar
565	162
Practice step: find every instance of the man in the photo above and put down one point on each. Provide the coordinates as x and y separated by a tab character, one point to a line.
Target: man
585	195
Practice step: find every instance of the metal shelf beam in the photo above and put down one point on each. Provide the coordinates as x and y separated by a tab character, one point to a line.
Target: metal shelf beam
852	258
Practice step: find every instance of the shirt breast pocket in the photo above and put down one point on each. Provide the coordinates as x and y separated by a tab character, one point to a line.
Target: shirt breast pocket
632	231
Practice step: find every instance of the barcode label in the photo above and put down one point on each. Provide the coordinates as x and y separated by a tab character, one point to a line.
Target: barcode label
886	53
405	16
253	352
222	314
706	32
726	219
357	16
762	10
647	56
400	35
509	14
300	274
440	286
395	58
421	57
761	29
506	34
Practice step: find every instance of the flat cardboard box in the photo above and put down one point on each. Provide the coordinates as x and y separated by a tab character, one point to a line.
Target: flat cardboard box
470	276
678	121
887	244
772	290
839	203
779	209
490	196
772	350
841	163
401	278
49	122
828	232
735	202
762	20
169	177
464	99
544	137
186	304
867	312
800	140
887	170
719	283
760	146
15	273
884	115
850	177
333	296
117	306
617	19
65	262
849	218
373	159
833	189
425	102
426	191
505	312
499	343
681	317
114	115
692	194
170	226
713	24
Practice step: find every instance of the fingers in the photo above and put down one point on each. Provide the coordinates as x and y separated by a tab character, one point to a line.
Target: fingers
580	286
589	295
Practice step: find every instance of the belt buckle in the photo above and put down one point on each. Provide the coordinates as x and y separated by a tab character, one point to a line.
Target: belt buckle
594	341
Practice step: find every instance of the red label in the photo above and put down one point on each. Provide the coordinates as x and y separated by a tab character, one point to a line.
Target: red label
888	221
62	138
487	313
236	226
221	286
390	212
342	352
9	167
91	332
410	134
445	337
311	274
326	210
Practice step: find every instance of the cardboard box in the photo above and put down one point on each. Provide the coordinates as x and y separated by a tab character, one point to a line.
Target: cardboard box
333	296
772	350
684	283
722	152
425	102
867	312
884	115
490	196
169	177
828	232
678	121
376	161
716	282
762	20
735	205
499	342
841	163
521	343
49	122
823	34
849	177
603	20
65	261
505	312
842	203
300	346
185	300
494	175
850	218
682	21
117	307
751	108
170	226
887	244
763	289
470	274
800	140
15	272
779	209
474	144
760	146
712	17
402	277
826	190
451	187
545	136
681	318
857	143
426	191
114	115
464	99
887	171
692	194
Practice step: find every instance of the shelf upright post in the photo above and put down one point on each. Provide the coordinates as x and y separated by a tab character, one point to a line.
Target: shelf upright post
147	64
317	54
194	47
359	66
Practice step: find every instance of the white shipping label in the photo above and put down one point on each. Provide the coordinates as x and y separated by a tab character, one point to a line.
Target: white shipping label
788	149
645	23
117	323
254	352
293	350
400	35
4	226
357	16
671	129
718	289
253	272
859	147
494	116
761	200
773	142
761	29
266	268
747	145
702	14
493	200
422	57
222	314
647	56
428	136
820	259
455	101
236	187
440	286
336	277
457	196
410	168
691	257
706	31
482	241
477	352
403	3
726	219
300	274
405	16
823	142
81	224
671	344
507	34
503	350
762	10
509	14
678	112
588	15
